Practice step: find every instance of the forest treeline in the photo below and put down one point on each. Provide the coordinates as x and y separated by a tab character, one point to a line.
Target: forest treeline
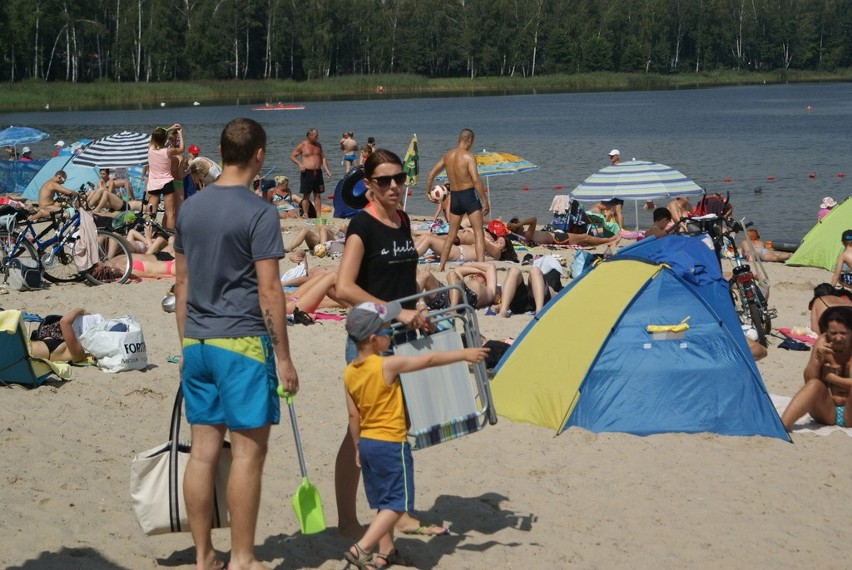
174	40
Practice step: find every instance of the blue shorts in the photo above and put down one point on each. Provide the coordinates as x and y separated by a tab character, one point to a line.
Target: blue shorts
838	416
464	202
230	381
388	470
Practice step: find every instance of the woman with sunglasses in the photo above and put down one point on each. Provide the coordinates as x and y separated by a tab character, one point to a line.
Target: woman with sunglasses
379	265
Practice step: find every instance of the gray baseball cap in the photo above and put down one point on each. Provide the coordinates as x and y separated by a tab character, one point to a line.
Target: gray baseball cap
369	318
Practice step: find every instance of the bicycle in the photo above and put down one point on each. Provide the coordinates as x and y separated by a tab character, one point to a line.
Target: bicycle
52	248
749	301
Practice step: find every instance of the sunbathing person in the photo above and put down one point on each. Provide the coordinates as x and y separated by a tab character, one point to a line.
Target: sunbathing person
500	249
478	279
517	297
311	295
57	341
825	296
526	229
825	395
47	195
310	238
764	253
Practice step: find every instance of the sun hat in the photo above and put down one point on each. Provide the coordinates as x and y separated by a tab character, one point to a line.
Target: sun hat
60	144
369	318
615	152
25	150
827	203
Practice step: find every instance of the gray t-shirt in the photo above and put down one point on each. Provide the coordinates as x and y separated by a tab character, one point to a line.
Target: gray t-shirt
222	231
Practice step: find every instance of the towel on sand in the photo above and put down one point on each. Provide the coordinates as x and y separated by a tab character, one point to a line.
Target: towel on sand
806	423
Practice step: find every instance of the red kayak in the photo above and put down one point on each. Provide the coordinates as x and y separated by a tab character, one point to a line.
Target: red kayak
278	107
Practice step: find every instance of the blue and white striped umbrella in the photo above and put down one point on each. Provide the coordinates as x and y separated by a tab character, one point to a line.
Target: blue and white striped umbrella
120	150
636	180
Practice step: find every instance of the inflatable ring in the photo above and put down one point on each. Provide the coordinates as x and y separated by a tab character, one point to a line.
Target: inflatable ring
353	190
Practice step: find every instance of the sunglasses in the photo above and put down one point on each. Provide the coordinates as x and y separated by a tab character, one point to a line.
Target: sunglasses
384	181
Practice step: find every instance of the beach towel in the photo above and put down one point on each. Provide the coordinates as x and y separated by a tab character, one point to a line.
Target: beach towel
806	424
86	246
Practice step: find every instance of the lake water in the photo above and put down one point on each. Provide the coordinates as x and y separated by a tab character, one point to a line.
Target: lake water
795	134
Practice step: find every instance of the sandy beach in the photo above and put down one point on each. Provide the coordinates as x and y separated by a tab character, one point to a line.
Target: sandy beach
514	495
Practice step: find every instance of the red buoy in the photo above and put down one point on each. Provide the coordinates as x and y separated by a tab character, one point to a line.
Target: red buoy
525	188
330	196
839	175
770	178
811	175
558	187
726	180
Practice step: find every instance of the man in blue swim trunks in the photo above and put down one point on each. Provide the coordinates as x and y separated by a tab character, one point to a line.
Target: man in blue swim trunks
231	321
467	195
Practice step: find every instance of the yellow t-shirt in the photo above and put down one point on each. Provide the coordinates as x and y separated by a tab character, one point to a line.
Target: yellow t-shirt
380	406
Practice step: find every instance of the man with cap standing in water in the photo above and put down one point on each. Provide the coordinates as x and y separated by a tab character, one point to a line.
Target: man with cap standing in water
615	204
59	146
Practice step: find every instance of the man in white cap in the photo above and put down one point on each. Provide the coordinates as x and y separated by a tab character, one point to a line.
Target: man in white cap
26	155
614	156
59	146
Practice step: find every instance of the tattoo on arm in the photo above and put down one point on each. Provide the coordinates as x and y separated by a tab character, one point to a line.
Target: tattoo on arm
267	317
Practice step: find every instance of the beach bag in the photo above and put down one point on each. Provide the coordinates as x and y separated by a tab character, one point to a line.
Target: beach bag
116	344
24	275
156	483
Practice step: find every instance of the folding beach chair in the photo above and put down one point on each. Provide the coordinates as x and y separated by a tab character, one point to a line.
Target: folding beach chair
450	401
16	364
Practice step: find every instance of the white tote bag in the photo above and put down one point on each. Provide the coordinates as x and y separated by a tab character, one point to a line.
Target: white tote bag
156	483
116	344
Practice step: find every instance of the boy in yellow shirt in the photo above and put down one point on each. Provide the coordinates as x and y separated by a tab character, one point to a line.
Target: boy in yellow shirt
378	423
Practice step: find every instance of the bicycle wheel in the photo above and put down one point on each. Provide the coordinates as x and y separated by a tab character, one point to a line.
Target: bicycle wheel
59	267
115	260
24	251
760	322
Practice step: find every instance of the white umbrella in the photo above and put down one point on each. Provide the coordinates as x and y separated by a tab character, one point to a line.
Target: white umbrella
120	150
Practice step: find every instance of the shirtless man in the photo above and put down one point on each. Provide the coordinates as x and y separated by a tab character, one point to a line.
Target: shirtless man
349	146
679	208
47	192
467	195
662	222
311	166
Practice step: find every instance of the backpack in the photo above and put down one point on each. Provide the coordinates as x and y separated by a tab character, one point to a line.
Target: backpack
24	274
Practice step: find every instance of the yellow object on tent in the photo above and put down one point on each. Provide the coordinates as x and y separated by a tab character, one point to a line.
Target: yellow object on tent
680	327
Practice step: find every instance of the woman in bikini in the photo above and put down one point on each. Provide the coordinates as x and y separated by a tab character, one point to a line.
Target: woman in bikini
825	395
825	296
526	229
500	249
56	341
763	253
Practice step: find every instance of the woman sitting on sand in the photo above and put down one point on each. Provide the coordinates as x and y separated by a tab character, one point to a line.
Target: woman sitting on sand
843	269
825	395
526	229
764	253
517	297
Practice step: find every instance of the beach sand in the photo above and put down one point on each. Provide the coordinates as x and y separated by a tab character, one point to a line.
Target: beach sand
514	495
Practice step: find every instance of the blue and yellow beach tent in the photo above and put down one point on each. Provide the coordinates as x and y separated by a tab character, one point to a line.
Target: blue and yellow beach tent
641	347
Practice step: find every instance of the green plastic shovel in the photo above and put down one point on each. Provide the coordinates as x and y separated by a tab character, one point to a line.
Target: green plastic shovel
306	501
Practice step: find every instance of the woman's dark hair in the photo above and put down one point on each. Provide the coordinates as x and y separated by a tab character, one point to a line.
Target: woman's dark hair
509	253
378	157
824	289
159	137
836	314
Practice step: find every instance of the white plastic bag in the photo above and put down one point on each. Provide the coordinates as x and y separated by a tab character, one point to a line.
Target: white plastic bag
116	344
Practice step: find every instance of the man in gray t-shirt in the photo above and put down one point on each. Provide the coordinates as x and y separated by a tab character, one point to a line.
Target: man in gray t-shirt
232	325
